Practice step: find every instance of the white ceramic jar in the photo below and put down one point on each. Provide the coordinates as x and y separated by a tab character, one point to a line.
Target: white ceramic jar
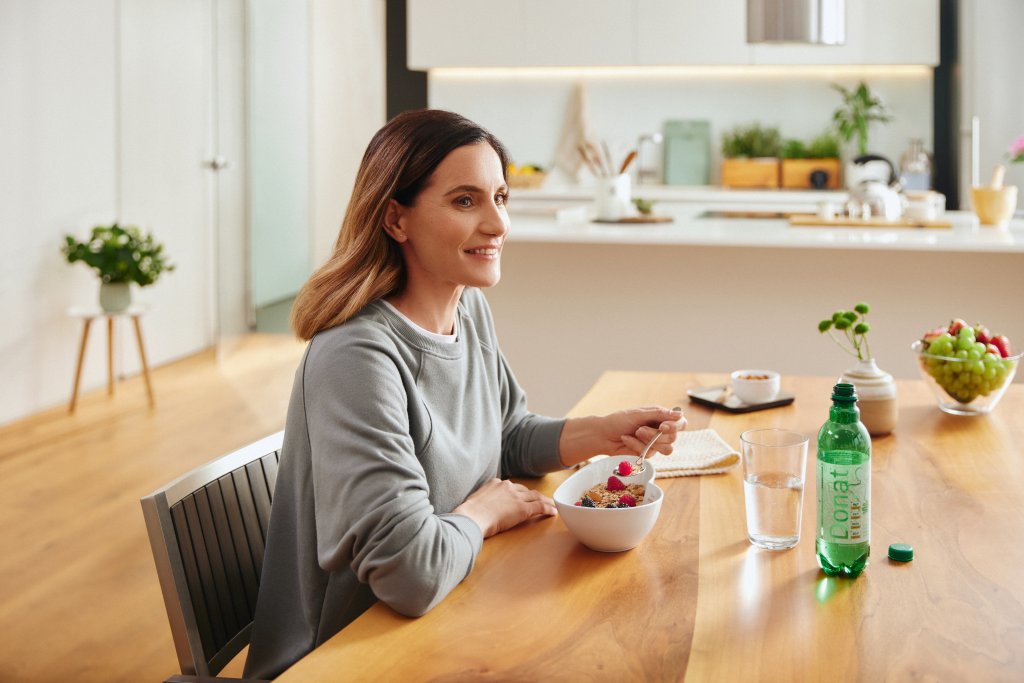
876	396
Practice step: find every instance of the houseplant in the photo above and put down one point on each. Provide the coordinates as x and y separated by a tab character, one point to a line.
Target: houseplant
876	389
800	161
750	156
854	117
120	256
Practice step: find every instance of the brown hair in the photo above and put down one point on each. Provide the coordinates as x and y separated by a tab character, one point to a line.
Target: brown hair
366	263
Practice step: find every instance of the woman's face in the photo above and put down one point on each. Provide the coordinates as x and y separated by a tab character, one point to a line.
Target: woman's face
453	233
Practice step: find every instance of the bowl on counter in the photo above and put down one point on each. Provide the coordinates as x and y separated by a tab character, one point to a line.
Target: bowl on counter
608	530
755	386
966	386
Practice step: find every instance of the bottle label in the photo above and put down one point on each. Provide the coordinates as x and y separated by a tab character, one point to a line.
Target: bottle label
843	511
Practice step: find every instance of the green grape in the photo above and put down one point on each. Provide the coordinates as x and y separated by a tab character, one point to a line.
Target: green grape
973	354
980	348
963	344
961	354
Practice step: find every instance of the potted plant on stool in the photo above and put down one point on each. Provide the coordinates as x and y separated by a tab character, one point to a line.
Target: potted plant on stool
120	256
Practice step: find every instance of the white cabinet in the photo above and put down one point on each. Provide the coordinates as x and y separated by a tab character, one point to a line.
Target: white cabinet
697	33
481	33
878	32
470	33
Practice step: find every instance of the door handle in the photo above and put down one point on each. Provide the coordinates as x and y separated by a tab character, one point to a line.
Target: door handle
217	163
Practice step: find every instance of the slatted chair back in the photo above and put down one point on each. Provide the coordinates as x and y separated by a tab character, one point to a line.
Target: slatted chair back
207	531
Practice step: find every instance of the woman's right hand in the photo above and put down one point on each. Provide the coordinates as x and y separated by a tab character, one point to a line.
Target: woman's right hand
500	504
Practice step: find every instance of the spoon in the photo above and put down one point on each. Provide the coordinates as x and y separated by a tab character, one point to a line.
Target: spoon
639	467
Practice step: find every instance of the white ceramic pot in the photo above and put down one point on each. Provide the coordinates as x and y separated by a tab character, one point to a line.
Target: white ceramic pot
115	296
876	396
612	197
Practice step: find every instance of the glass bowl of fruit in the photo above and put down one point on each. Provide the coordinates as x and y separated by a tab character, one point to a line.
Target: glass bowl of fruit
968	368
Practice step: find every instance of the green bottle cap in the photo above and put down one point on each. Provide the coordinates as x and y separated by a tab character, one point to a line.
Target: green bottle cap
844	393
901	552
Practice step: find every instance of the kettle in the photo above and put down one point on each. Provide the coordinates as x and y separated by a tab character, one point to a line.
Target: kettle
873	183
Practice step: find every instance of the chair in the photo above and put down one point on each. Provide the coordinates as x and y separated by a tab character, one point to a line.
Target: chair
207	531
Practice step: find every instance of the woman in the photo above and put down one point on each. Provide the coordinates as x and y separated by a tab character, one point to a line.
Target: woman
404	413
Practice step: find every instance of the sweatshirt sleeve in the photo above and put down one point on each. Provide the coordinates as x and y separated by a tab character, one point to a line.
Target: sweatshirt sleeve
372	508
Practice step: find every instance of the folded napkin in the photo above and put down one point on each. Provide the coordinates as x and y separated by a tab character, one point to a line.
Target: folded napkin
701	451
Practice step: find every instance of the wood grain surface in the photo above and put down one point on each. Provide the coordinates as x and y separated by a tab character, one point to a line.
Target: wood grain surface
695	601
79	595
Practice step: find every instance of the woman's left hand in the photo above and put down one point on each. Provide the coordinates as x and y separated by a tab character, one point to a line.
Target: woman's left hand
625	432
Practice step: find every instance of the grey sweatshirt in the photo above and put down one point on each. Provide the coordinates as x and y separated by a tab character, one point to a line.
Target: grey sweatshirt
387	432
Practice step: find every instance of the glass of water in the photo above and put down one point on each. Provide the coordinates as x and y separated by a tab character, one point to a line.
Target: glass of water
774	466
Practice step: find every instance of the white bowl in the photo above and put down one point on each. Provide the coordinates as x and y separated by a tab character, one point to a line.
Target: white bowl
609	530
751	391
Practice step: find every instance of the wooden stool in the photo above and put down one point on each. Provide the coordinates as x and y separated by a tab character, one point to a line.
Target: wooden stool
88	315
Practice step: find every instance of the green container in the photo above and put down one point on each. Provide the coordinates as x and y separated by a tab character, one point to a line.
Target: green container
843	541
687	150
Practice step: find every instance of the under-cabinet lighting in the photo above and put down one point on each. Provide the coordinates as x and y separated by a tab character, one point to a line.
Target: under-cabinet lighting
682	72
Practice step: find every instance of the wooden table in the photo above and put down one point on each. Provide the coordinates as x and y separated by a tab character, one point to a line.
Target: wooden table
695	601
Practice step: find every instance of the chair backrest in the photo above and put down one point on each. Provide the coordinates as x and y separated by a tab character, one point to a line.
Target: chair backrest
207	530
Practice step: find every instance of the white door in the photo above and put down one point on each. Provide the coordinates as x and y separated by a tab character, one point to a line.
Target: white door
181	113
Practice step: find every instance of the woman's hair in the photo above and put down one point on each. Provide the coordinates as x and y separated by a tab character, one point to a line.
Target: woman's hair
366	263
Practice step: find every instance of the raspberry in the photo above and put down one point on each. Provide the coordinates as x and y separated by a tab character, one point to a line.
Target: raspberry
627	500
615	484
625	469
577	503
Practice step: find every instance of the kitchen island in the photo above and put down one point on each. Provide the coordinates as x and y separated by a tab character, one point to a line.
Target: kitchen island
718	294
695	601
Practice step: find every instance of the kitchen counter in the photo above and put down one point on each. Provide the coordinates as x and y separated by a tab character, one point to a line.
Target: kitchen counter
691	226
720	294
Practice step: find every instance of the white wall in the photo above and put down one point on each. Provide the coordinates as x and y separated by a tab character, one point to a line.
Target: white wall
100	121
348	105
993	89
58	139
528	112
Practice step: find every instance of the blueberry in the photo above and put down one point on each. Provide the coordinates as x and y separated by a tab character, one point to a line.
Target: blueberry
587	503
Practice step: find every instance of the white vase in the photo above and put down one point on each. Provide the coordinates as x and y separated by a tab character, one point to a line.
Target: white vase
115	296
876	396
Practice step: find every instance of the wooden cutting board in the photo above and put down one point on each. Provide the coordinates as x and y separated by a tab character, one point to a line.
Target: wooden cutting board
638	219
812	221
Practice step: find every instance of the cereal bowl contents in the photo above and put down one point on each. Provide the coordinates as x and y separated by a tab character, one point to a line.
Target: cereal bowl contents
619	512
755	386
612	494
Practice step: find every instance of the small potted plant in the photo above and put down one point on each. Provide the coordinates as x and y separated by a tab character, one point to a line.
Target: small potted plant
120	256
814	165
750	156
859	110
876	389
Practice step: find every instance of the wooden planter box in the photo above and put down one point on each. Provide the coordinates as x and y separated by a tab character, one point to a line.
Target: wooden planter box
796	173
760	172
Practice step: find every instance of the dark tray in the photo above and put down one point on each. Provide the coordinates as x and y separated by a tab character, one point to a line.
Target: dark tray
707	396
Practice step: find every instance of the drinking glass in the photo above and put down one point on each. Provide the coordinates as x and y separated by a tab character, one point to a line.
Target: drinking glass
774	467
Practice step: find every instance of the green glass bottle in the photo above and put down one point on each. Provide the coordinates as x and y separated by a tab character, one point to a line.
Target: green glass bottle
844	487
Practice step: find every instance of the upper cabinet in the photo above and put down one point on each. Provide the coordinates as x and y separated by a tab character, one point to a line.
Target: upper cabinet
475	33
480	33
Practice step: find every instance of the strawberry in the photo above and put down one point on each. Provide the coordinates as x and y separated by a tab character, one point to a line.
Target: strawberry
615	484
1002	342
